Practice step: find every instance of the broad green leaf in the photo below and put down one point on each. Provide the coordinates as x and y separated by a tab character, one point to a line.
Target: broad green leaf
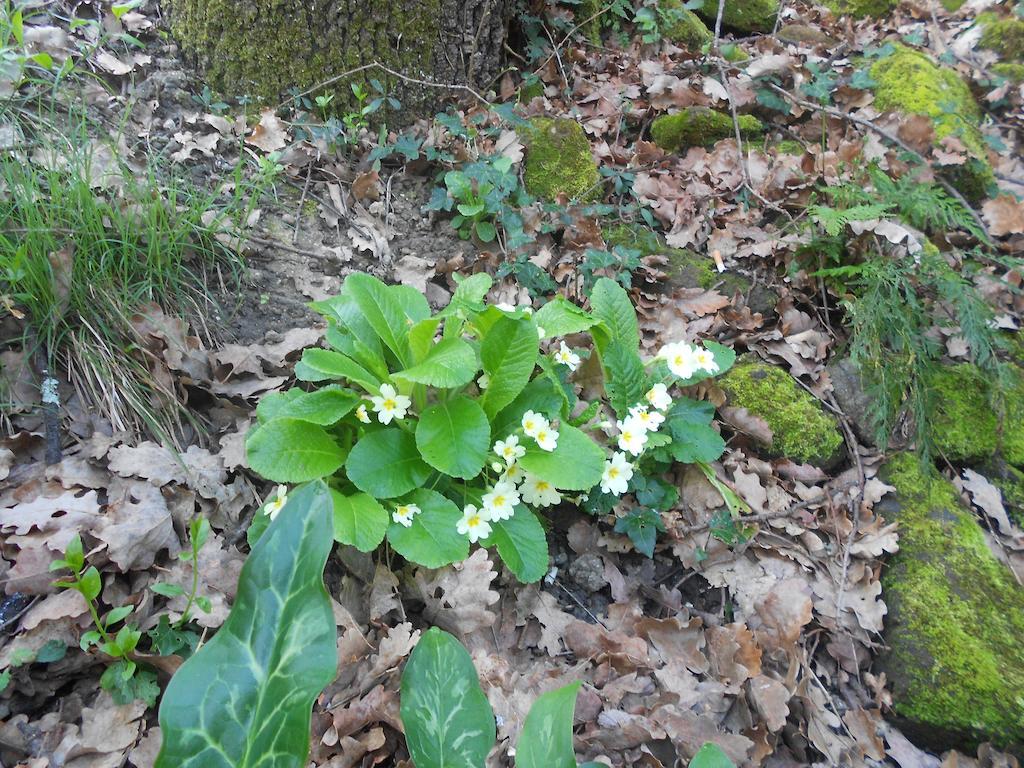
469	294
386	464
432	539
351	333
522	544
610	304
576	464
421	337
327	405
449	363
244	699
454	437
546	739
725	357
292	451
359	520
324	364
414	304
384	311
540	395
625	378
508	353
694	442
560	317
711	756
448	721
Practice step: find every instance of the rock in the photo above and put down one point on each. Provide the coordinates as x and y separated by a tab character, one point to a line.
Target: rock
861	8
743	15
848	388
1010	70
955	662
700	126
689	31
801	429
559	161
1005	36
588	571
908	81
801	33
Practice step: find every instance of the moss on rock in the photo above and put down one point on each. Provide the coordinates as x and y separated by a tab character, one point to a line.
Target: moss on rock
743	15
689	31
861	8
1004	36
910	82
801	430
700	126
952	5
964	421
801	33
955	662
559	161
1012	71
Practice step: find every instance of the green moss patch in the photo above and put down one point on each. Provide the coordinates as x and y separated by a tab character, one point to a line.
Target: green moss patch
700	126
743	15
801	33
1010	70
910	82
1004	36
861	8
689	32
956	616
558	160
801	430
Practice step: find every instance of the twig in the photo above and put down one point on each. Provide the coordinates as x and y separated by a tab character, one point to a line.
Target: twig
851	444
572	31
758	518
302	201
579	602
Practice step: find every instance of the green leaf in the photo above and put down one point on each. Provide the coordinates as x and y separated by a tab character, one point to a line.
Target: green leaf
485	231
625	378
432	539
560	317
90	584
449	363
509	354
386	463
541	396
641	525
454	437
324	364
244	699
167	590
350	333
448	721
522	544
292	451
117	614
325	406
546	740
711	756
421	337
611	305
272	404
359	520
576	464
469	294
694	442
384	311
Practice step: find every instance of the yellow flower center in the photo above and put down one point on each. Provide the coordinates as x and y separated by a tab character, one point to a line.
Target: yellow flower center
543	485
499	501
390	405
474	521
528	425
613	472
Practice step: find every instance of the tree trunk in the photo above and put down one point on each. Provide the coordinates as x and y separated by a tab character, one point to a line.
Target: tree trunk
267	48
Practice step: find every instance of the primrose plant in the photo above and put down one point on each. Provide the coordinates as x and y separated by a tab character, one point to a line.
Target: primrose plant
440	431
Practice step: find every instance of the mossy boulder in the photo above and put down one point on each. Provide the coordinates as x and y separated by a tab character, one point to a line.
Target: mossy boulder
559	161
964	419
700	127
1011	70
801	429
955	620
861	8
743	15
952	5
802	33
909	81
1005	36
688	31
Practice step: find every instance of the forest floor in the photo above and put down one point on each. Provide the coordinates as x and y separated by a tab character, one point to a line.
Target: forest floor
760	637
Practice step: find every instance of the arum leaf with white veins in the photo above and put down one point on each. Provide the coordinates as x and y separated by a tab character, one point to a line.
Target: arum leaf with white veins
244	699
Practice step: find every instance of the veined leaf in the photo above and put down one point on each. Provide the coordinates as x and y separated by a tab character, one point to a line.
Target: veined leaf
359	520
522	544
625	378
711	756
560	317
386	464
454	437
611	305
432	539
509	354
384	311
292	451
546	739
421	337
469	294
324	364
540	395
327	405
449	363
448	721
244	699
576	464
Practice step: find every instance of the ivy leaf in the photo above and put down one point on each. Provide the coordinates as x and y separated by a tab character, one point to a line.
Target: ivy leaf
546	740
292	451
448	721
711	756
449	363
386	463
522	544
642	526
325	364
576	464
359	520
509	354
432	539
454	437
246	695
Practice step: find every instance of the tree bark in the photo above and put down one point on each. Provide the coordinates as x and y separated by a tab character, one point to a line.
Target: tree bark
268	48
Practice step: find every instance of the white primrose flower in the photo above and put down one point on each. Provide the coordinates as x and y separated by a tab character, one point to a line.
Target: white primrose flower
513	475
539	493
500	503
474	524
617	474
533	423
658	397
389	404
567	357
632	436
277	502
483	381
547	439
681	359
649	420
705	360
509	449
361	414
504	306
404	513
